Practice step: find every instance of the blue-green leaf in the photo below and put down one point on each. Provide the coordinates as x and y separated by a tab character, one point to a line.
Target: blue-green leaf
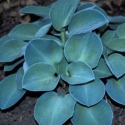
116	19
89	5
12	50
77	73
19	78
108	36
84	47
117	64
42	21
99	114
121	31
25	66
40	77
37	10
101	10
61	12
62	66
116	89
43	30
88	94
86	5
43	50
9	94
24	31
50	37
117	44
11	65
4	39
102	70
54	109
83	21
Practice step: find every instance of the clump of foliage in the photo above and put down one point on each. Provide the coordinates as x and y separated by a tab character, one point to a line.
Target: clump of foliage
69	54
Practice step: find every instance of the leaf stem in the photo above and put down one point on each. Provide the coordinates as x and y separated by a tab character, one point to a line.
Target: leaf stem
63	35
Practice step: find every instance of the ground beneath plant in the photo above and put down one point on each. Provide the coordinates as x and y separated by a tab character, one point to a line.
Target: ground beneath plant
22	112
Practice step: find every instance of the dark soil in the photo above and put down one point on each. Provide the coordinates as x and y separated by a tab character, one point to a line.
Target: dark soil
22	113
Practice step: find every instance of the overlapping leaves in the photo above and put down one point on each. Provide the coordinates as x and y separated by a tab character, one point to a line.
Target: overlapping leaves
54	109
80	24
43	50
84	47
9	94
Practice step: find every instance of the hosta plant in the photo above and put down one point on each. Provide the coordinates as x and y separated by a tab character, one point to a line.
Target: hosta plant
74	54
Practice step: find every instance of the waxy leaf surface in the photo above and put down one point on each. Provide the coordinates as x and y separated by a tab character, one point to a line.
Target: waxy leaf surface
9	94
11	65
116	89
99	113
61	13
87	5
117	44
108	36
43	30
88	94
19	78
117	64
84	47
116	19
4	39
24	31
40	77
43	50
78	72
83	21
54	109
11	50
37	10
102	70
121	31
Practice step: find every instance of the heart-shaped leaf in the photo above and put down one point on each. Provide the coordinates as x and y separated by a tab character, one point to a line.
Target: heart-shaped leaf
62	11
54	109
80	24
9	94
40	77
100	113
43	50
37	10
116	89
117	64
102	70
84	47
77	73
11	50
88	94
24	31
